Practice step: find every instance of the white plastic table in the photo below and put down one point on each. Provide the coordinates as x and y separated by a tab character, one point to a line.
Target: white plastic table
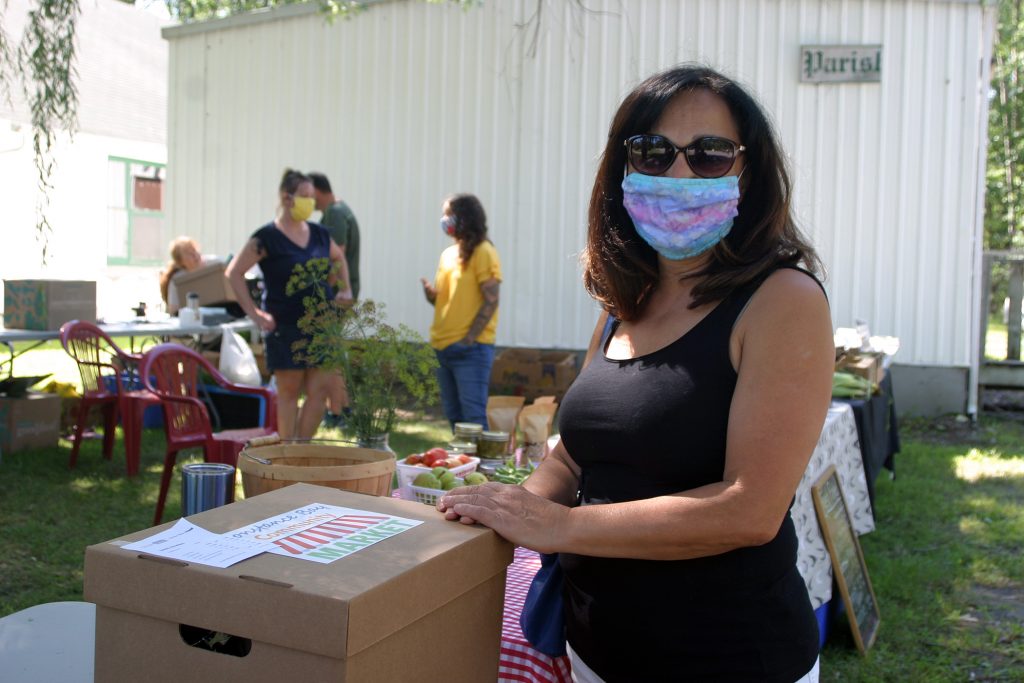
49	643
143	329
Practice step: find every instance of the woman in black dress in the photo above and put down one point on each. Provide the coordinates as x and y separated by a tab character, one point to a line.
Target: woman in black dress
290	239
685	436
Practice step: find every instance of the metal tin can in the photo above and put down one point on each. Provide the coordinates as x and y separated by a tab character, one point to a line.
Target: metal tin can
205	486
488	467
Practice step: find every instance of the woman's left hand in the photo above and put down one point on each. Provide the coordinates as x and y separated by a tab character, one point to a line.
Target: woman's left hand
513	512
344	297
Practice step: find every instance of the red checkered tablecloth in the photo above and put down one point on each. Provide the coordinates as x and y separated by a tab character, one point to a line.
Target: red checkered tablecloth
519	662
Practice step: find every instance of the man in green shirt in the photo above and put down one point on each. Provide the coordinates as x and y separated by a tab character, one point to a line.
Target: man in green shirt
341	223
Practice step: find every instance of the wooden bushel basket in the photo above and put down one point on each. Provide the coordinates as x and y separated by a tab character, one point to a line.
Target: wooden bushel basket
268	464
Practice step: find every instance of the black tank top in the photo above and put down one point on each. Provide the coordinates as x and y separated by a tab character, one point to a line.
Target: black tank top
656	425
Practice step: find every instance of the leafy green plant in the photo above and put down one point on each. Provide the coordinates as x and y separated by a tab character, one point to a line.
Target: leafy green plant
384	366
1004	193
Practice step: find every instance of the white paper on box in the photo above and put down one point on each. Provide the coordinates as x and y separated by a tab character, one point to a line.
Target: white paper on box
316	532
189	543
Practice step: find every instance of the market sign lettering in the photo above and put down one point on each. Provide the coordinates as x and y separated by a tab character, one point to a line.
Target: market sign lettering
840	63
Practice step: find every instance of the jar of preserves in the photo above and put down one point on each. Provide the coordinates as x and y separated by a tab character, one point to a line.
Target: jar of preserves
492	445
462	448
467	431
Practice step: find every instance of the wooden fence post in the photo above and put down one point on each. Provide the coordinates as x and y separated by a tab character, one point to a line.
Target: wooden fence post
1013	318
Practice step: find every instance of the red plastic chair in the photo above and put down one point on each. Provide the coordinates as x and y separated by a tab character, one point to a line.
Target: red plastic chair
172	372
108	375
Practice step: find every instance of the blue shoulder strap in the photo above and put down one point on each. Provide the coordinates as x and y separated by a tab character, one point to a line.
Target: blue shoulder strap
609	325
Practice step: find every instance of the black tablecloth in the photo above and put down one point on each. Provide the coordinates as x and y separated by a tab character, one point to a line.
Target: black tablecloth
877	431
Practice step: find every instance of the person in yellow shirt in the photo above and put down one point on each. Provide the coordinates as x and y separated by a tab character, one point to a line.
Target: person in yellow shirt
464	295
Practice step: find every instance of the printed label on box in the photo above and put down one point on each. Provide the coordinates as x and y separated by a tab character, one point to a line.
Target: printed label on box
323	533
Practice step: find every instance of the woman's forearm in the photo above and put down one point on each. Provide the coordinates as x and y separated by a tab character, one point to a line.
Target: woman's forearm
489	291
238	286
555	478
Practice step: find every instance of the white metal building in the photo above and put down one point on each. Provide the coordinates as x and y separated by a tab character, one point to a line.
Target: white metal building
408	102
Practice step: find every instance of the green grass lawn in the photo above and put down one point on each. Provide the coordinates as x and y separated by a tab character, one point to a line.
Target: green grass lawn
945	559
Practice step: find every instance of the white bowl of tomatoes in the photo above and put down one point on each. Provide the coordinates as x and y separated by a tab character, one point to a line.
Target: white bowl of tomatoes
459	464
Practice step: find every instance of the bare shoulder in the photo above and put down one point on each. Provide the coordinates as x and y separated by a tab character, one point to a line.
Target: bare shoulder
788	282
788	314
788	292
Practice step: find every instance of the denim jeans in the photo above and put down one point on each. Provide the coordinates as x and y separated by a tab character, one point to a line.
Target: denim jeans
464	376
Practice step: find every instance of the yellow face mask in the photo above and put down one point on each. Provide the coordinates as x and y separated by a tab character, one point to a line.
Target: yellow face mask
302	208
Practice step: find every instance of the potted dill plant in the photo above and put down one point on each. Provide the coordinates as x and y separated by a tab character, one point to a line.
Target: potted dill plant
385	367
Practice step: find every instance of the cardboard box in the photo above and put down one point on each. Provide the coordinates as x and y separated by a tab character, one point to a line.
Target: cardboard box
532	373
47	304
424	605
868	365
31	421
207	281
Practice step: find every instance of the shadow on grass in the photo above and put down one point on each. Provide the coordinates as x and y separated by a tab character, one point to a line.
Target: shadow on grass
949	530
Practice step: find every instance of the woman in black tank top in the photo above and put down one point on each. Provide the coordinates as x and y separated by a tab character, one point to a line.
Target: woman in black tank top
687	432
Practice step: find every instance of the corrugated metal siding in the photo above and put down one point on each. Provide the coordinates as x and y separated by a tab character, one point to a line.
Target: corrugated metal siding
409	102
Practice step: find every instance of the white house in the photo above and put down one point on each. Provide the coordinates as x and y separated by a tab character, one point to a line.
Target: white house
106	206
408	102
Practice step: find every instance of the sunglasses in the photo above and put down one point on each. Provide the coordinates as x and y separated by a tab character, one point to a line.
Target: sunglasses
708	157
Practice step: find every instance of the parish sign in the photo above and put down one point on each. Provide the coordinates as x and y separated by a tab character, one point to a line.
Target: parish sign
840	63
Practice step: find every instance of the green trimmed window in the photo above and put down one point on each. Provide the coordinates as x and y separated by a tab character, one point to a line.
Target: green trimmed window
136	231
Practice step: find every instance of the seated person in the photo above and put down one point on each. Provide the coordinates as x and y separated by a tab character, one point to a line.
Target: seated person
185	257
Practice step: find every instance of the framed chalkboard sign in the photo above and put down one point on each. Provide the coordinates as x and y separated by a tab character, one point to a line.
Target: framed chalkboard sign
848	565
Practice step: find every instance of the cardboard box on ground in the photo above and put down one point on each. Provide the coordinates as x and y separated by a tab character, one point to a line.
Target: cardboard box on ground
424	605
31	421
532	373
47	304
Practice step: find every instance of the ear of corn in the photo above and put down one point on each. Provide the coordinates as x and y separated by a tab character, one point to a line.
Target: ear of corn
848	385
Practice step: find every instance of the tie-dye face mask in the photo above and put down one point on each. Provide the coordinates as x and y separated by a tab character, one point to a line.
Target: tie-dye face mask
681	217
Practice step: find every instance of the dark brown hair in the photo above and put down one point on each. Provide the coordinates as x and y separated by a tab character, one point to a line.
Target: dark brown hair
621	270
320	182
291	180
470	223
